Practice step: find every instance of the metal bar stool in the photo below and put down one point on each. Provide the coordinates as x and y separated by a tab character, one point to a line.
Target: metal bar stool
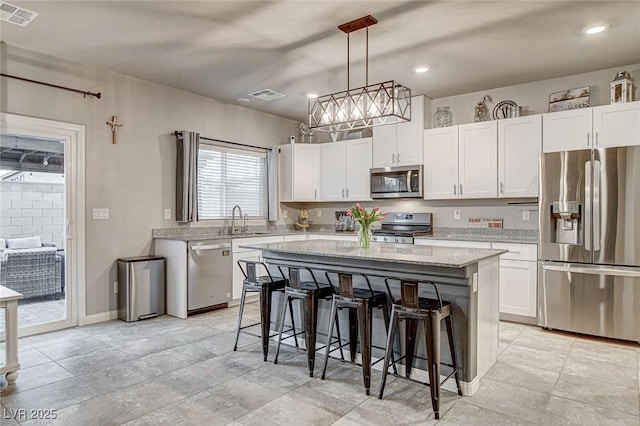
360	302
309	292
431	311
264	285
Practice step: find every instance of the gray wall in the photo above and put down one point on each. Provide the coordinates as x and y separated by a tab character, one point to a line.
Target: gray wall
32	209
135	179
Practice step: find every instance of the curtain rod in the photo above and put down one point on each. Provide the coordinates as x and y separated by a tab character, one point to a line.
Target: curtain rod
177	133
94	95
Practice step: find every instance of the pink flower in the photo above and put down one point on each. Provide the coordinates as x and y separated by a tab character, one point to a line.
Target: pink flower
349	213
376	209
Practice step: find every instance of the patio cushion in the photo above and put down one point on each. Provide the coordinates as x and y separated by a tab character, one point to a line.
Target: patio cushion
24	243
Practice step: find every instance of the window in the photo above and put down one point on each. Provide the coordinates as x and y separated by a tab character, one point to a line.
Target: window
230	176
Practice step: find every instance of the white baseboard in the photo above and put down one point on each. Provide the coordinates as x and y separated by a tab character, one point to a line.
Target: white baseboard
101	317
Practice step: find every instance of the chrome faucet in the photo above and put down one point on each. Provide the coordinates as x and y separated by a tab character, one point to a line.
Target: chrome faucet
233	218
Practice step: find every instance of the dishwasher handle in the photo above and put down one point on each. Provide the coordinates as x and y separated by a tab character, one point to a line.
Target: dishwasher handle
211	247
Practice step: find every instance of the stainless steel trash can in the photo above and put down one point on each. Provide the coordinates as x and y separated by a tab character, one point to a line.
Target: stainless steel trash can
141	287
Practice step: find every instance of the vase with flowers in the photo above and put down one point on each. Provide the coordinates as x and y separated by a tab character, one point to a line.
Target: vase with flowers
365	219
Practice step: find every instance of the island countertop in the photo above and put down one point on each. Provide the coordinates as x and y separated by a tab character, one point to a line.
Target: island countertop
446	257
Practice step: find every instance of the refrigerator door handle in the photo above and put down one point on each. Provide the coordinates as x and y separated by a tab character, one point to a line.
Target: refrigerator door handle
588	205
593	270
596	205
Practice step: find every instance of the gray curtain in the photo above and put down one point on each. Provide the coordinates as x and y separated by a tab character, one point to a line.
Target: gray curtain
272	188
186	176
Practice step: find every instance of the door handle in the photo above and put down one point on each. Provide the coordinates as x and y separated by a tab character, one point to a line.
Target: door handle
455	189
342	192
393	157
587	140
588	206
501	188
596	204
461	190
211	247
67	230
398	157
597	140
347	192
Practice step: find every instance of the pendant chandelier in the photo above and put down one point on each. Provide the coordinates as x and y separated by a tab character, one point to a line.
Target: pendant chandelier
372	105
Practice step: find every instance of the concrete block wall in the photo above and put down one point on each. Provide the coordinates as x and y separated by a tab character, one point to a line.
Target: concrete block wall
33	209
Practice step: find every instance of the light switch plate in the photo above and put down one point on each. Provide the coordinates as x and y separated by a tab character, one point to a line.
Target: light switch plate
319	213
526	215
284	214
101	214
167	213
456	214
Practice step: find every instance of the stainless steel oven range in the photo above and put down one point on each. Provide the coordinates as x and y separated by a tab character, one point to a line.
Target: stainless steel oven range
401	227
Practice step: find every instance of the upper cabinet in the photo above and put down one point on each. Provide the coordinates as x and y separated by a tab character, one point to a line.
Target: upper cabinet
617	125
599	127
566	130
401	144
344	170
519	145
461	161
299	172
478	162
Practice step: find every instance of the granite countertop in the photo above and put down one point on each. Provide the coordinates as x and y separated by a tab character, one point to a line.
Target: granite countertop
218	236
448	257
514	236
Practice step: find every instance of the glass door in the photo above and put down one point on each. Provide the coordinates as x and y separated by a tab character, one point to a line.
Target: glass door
39	190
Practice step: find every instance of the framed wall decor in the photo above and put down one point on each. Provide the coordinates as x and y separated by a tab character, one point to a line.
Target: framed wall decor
569	99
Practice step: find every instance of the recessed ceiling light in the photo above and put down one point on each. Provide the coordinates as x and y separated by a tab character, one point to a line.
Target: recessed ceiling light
422	69
312	96
243	100
595	29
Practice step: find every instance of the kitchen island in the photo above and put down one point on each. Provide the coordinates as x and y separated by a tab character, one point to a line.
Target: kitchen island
466	277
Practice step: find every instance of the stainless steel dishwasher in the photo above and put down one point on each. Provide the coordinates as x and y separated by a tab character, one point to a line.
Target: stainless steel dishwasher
210	275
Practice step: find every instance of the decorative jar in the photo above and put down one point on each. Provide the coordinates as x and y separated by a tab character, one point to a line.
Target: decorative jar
442	117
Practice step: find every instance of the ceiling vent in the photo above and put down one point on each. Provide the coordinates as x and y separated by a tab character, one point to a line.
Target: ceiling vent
267	95
16	15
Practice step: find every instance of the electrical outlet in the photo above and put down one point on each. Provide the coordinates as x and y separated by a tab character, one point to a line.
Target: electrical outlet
526	215
319	213
115	286
284	214
456	214
167	213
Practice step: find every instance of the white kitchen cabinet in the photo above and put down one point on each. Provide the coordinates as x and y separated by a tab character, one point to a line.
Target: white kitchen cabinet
401	144
299	172
567	130
518	279
598	127
461	161
344	170
519	146
478	160
617	125
440	163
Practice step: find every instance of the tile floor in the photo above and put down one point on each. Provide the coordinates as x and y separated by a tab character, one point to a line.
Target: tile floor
39	310
171	371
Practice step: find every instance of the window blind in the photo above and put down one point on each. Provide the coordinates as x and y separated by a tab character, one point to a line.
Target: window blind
230	176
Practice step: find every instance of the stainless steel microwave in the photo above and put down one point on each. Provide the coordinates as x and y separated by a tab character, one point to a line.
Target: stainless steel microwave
396	182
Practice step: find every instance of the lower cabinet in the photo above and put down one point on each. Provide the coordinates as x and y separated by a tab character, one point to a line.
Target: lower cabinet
518	280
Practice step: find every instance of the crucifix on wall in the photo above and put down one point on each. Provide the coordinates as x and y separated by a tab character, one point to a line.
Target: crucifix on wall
114	126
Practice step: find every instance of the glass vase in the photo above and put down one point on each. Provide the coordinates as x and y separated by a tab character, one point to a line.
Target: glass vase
364	237
442	117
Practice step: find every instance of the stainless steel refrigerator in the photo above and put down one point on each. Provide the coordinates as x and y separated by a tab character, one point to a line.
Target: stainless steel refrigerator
589	269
